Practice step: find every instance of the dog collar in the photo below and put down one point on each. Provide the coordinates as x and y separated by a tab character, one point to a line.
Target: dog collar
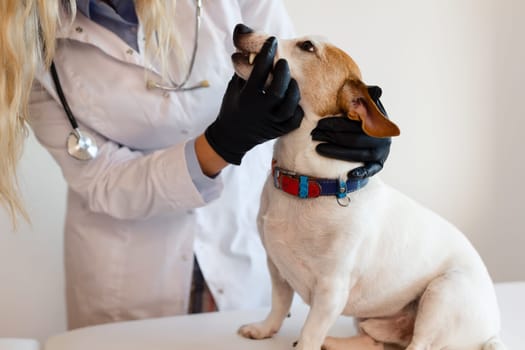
303	186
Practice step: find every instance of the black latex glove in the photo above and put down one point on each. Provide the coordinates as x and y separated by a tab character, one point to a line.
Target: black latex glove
250	115
345	140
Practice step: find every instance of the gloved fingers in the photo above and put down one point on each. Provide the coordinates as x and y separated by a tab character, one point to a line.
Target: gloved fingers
364	155
324	136
293	122
262	65
367	170
374	91
350	139
346	140
240	81
381	107
289	103
281	79
236	82
339	123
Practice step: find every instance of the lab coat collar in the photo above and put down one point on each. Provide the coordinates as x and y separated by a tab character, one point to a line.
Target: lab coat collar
84	30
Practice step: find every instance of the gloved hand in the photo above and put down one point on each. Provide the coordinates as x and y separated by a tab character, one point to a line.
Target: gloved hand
249	115
345	140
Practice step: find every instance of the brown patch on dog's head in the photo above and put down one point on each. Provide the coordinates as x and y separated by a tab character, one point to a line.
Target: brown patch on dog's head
333	85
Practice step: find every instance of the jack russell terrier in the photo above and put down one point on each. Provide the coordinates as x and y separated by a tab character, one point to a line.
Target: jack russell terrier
408	277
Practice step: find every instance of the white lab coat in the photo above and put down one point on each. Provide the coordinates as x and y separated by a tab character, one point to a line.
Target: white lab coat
134	216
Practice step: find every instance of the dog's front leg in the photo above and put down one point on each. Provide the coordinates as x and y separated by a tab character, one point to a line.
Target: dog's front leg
282	296
327	302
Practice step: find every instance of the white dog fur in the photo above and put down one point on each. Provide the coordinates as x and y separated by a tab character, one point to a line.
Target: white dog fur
408	276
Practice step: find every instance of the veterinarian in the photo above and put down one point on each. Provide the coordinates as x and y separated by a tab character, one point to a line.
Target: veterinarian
157	221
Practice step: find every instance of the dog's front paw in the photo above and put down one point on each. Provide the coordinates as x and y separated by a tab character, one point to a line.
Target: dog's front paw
258	330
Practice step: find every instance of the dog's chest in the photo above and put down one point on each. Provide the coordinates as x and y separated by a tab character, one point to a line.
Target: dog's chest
304	238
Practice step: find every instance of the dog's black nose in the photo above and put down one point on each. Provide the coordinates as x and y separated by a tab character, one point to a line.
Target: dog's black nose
242	29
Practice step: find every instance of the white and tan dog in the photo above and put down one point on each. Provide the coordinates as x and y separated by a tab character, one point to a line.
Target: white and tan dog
409	277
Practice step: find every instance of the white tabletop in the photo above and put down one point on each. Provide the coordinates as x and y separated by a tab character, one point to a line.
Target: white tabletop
218	331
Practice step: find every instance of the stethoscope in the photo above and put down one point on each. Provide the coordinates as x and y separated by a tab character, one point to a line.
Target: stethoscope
181	87
80	144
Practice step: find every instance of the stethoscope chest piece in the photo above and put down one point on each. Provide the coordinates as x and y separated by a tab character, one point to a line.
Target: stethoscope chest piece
81	145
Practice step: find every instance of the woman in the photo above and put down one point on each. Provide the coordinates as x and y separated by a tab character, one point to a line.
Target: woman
159	191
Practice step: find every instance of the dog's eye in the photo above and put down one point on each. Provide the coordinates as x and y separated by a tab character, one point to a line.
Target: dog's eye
306	46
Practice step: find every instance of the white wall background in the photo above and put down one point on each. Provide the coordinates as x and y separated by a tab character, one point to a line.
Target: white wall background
31	269
451	72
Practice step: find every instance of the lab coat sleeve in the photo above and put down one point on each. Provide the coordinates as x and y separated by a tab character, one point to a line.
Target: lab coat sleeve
268	16
119	182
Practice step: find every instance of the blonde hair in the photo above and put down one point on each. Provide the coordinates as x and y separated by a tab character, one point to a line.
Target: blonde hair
158	22
27	40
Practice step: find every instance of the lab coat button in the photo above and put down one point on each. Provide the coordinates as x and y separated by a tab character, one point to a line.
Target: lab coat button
184	132
129	51
184	258
79	29
220	291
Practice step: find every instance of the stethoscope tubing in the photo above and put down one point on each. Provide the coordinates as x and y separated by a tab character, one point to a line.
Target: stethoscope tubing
182	86
62	97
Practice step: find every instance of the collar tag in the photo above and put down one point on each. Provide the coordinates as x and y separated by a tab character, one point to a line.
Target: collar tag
342	197
343	189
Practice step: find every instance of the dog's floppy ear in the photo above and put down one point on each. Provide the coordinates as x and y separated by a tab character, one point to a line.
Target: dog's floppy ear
356	102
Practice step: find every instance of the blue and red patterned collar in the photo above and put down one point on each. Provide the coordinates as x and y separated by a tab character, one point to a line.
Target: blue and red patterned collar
303	186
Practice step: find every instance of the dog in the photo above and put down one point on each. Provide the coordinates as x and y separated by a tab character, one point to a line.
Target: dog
408	277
